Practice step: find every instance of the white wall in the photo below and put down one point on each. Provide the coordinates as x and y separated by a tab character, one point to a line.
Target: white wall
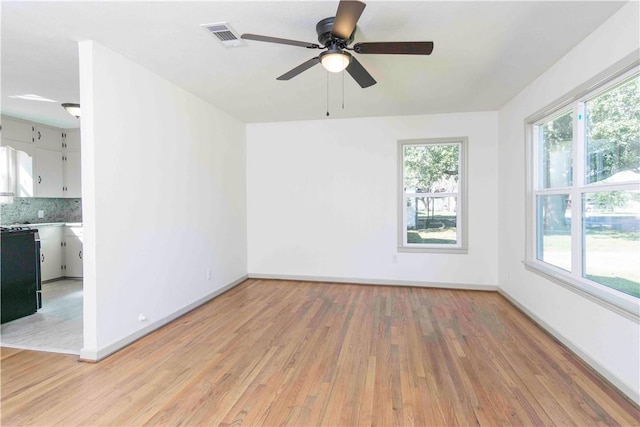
608	341
322	200
163	197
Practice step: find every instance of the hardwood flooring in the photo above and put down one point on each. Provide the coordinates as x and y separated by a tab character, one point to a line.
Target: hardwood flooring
295	353
56	327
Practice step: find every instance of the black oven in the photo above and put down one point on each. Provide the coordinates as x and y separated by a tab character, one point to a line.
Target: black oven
20	284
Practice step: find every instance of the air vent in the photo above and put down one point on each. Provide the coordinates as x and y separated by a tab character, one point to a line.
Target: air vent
225	34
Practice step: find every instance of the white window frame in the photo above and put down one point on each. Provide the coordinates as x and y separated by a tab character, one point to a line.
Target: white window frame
460	247
624	304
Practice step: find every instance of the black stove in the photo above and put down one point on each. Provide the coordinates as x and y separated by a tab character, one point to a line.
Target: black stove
20	284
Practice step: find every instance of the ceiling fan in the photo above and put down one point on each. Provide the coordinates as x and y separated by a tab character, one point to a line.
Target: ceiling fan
335	34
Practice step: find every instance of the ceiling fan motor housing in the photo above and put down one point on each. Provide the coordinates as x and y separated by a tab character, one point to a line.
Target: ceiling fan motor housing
324	27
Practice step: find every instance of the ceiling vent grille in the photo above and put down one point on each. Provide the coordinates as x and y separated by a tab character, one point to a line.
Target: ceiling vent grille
224	33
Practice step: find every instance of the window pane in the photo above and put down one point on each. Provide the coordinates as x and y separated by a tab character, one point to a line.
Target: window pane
556	139
613	134
611	230
554	230
431	220
431	168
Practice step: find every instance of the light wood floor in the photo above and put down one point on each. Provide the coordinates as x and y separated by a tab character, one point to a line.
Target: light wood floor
274	352
56	327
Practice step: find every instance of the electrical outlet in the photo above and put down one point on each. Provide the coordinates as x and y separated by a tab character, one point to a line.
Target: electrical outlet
394	259
40	214
209	274
142	317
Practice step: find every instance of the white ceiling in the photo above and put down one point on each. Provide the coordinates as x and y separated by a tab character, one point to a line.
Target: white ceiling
485	53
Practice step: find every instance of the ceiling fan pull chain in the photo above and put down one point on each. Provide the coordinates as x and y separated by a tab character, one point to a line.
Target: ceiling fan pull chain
327	94
343	89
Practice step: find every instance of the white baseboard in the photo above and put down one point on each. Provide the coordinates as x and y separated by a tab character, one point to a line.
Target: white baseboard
616	381
40	348
385	282
93	355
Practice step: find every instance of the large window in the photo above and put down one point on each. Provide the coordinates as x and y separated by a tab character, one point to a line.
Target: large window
585	192
432	195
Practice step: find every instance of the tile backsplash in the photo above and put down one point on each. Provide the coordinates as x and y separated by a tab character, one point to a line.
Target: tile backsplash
24	210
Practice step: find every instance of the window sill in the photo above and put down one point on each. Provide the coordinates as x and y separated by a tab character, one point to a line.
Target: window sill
623	304
445	250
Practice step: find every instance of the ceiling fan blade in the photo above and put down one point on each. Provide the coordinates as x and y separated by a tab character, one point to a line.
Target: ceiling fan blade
347	16
299	69
268	39
395	48
359	74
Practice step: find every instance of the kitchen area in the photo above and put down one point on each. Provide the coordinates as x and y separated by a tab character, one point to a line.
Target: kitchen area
42	237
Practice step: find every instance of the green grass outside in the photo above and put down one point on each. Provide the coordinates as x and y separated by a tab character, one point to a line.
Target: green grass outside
611	260
431	237
612	256
438	229
619	283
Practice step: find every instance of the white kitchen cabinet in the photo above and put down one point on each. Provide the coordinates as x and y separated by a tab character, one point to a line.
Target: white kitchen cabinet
45	163
49	173
72	175
71	164
47	137
16	130
51	252
73	252
71	140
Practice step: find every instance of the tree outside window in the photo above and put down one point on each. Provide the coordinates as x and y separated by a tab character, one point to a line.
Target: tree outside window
586	193
432	194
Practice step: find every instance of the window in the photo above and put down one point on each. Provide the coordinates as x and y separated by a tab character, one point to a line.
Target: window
16	174
432	189
585	192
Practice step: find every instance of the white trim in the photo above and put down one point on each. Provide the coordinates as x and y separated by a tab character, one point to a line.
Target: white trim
551	192
375	282
620	68
622	304
615	381
40	348
421	248
606	186
573	102
95	355
432	195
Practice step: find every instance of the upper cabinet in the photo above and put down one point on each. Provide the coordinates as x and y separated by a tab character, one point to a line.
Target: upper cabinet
49	173
71	140
71	163
47	137
72	175
38	160
16	130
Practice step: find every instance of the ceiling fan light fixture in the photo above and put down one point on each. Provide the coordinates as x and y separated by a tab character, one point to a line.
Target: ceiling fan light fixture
335	60
73	109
